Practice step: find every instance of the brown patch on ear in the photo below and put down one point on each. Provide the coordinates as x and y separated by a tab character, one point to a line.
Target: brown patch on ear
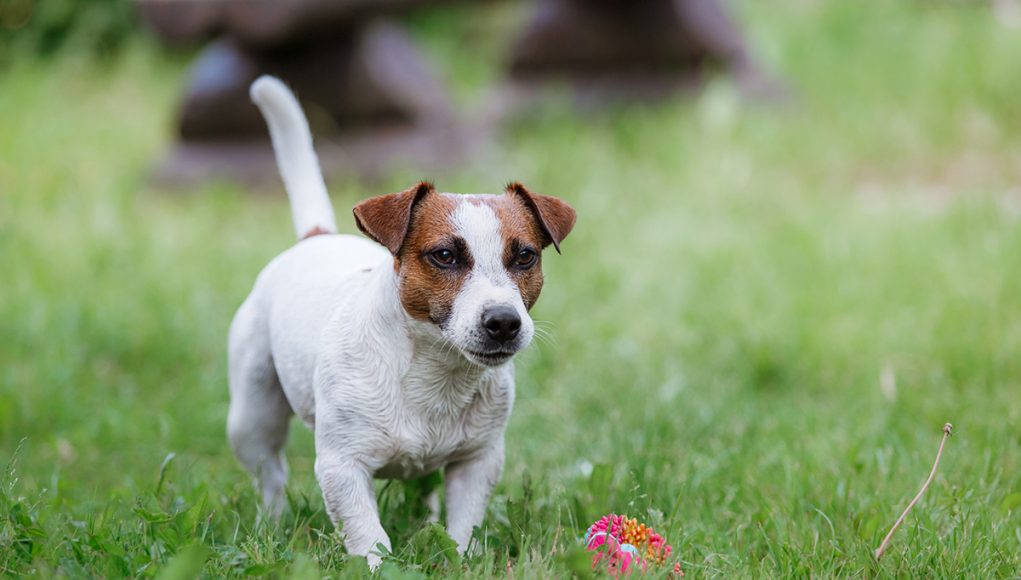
386	218
555	217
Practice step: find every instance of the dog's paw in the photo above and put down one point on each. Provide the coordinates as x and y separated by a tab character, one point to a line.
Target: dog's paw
374	560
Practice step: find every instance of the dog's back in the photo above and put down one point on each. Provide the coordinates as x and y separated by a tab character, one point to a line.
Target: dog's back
292	300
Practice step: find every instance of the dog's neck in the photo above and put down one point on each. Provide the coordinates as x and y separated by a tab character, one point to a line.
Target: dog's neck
440	378
438	375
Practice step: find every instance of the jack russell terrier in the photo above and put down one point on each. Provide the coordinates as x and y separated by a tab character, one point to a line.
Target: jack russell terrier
396	352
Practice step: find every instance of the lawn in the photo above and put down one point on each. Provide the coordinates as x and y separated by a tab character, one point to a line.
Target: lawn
756	332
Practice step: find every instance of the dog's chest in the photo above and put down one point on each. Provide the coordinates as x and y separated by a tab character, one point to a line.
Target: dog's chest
437	428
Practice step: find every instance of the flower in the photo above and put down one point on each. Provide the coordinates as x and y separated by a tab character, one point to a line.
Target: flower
623	544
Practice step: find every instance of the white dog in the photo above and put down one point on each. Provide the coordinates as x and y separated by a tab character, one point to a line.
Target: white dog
397	353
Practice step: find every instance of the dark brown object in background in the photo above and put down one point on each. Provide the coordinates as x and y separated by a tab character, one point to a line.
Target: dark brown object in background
371	98
607	51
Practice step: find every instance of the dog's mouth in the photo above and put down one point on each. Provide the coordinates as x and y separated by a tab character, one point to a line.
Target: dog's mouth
490	358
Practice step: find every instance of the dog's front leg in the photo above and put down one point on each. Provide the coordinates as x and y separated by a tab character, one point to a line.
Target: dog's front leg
467	489
351	500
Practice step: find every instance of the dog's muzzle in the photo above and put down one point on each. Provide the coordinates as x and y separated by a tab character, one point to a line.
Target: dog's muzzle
501	324
501	327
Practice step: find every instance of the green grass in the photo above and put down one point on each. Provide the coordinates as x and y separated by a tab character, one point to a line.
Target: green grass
740	279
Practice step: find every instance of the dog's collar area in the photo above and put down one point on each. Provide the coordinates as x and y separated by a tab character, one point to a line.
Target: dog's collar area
316	231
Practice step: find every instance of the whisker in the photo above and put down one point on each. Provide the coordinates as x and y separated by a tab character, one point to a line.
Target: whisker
545	336
544	340
545	324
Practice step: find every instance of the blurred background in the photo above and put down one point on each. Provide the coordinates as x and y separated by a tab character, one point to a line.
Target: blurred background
796	258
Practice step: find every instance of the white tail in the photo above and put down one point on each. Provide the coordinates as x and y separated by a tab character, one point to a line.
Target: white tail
292	141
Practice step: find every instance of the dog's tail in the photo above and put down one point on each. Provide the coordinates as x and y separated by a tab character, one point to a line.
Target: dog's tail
292	141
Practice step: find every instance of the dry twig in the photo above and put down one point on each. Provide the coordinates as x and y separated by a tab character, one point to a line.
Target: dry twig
932	474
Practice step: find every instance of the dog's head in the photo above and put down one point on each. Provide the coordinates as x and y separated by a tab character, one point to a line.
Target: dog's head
469	266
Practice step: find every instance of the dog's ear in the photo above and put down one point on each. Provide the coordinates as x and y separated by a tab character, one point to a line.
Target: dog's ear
386	218
555	217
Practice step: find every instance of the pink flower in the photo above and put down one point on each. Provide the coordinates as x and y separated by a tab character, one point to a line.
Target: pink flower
607	536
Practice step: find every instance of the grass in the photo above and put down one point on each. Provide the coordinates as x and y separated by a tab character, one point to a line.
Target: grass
760	324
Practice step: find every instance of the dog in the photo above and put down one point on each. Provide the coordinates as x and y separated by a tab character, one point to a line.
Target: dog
395	350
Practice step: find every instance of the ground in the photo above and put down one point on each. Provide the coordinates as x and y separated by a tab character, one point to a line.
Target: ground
752	339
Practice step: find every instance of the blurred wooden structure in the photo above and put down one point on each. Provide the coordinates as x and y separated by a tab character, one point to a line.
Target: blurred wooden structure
371	98
609	51
373	101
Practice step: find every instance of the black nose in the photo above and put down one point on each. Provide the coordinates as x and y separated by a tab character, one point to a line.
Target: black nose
502	323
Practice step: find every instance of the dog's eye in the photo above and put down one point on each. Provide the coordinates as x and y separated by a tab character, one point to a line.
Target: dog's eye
443	258
525	258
